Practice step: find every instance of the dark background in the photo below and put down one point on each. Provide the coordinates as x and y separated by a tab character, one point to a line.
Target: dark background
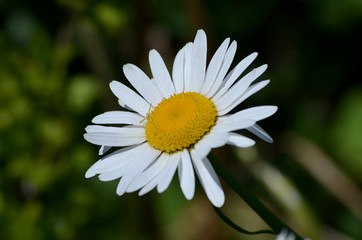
58	57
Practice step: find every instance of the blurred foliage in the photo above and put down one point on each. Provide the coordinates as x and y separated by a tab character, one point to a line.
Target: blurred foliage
346	132
57	58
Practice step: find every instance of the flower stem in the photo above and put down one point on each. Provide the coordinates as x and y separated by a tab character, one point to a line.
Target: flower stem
236	227
273	221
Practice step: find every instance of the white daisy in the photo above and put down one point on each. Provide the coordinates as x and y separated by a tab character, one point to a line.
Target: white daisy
174	122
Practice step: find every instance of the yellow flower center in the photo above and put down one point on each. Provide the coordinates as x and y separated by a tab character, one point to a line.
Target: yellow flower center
180	121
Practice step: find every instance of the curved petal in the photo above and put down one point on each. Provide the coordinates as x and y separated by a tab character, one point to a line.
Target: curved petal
211	140
132	130
234	74
188	66
142	84
123	183
214	67
227	124
198	67
239	140
163	179
147	175
186	175
209	180
238	89
168	172
217	139
259	132
129	98
161	75
178	71
118	117
250	91
149	186
201	150
122	104
130	166
114	136
229	56
255	113
103	149
133	170
120	157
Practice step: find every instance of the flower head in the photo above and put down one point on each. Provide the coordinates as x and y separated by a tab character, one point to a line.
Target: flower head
174	122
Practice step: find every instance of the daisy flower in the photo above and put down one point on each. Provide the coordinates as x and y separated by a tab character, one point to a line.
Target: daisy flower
172	122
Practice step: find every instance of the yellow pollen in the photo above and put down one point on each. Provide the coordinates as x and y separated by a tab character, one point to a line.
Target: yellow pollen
180	121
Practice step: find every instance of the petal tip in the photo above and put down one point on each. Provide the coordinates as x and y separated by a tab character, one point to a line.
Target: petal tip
90	173
113	82
113	86
85	135
219	202
200	33
153	53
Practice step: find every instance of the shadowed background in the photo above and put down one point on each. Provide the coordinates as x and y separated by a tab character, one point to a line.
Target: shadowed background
58	57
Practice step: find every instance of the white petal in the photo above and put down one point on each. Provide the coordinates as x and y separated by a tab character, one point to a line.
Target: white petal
250	91
142	84
227	124
149	173
291	236
211	140
104	149
234	74
255	113
198	67
282	235
240	141
214	67
258	131
114	136
161	75
123	183
209	180
133	165
165	176
217	139
149	186
238	89
201	148
124	157
134	170
229	56
122	104
129	98
127	130
186	175
178	71
168	172
188	66
111	160
118	117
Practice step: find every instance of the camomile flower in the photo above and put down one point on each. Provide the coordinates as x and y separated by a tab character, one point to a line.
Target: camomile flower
171	122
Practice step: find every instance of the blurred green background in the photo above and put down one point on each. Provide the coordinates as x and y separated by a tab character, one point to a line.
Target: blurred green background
57	58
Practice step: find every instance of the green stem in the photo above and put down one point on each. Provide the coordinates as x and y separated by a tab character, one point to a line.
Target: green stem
236	227
273	221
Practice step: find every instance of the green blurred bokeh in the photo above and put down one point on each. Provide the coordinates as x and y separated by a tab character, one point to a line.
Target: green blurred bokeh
57	58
